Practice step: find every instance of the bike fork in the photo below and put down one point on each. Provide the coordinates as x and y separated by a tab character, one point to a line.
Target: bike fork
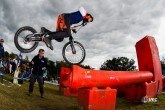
72	45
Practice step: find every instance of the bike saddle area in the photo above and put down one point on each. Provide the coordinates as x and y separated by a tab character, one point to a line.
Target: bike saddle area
44	30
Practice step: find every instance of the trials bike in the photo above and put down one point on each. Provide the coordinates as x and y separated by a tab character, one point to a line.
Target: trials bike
26	40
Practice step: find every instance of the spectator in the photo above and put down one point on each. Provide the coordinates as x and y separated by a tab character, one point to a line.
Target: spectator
1	51
14	65
8	66
10	69
4	63
1	48
23	68
39	65
28	69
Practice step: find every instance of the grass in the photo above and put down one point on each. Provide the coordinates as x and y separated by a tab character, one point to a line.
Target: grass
122	104
13	97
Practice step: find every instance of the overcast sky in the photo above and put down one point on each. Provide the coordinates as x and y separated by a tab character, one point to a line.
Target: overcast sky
117	25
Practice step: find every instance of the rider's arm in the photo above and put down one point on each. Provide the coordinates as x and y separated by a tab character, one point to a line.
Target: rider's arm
83	11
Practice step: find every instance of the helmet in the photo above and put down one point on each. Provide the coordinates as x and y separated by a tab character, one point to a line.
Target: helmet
1	40
90	16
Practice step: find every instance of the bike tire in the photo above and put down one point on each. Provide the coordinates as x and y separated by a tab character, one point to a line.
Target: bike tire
23	50
65	58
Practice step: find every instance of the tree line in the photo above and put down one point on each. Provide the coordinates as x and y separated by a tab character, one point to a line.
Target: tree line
54	67
114	64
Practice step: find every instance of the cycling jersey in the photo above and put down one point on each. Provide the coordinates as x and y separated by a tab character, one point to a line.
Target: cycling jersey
66	19
77	16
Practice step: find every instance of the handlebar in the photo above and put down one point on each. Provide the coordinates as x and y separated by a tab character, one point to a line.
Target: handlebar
77	26
74	27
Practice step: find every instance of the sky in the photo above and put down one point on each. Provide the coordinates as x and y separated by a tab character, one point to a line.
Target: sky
117	25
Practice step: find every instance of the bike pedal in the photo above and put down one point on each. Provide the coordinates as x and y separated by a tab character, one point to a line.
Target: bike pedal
43	40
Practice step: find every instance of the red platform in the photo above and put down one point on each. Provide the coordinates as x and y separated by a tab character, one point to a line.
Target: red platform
97	99
95	86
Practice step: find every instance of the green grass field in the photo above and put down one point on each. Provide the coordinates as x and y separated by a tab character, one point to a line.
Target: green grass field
14	97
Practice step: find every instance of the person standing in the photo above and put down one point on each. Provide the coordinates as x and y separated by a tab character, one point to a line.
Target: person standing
10	69
1	51
39	65
28	69
8	66
1	48
14	65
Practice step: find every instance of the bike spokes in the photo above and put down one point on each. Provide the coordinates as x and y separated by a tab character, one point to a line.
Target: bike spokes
24	40
74	54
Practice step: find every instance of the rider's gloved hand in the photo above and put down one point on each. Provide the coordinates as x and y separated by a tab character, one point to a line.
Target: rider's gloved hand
85	21
74	30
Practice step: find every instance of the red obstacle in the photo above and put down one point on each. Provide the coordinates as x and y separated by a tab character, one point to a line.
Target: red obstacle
81	78
97	89
67	91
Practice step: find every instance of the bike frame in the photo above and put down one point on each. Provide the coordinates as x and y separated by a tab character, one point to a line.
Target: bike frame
38	37
71	39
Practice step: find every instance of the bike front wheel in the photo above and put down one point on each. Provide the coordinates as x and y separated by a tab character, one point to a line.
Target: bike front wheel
20	39
71	57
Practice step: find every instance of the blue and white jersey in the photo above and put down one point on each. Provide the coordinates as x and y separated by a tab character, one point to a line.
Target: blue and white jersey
77	16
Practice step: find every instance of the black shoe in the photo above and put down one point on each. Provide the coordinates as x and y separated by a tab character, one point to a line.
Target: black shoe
29	94
42	96
42	29
48	43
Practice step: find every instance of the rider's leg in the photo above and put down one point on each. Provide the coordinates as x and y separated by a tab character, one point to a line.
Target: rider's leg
60	34
65	32
44	30
56	36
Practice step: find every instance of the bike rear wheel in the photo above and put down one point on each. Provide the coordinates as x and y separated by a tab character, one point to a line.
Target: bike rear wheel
19	39
74	58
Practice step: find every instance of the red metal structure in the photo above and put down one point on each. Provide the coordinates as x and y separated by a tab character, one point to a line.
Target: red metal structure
65	72
82	78
97	89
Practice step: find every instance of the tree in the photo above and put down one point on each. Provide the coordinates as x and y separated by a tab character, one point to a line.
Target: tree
85	66
119	64
51	68
13	55
6	54
26	59
47	59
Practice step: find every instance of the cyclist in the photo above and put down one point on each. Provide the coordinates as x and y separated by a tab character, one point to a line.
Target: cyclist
64	22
